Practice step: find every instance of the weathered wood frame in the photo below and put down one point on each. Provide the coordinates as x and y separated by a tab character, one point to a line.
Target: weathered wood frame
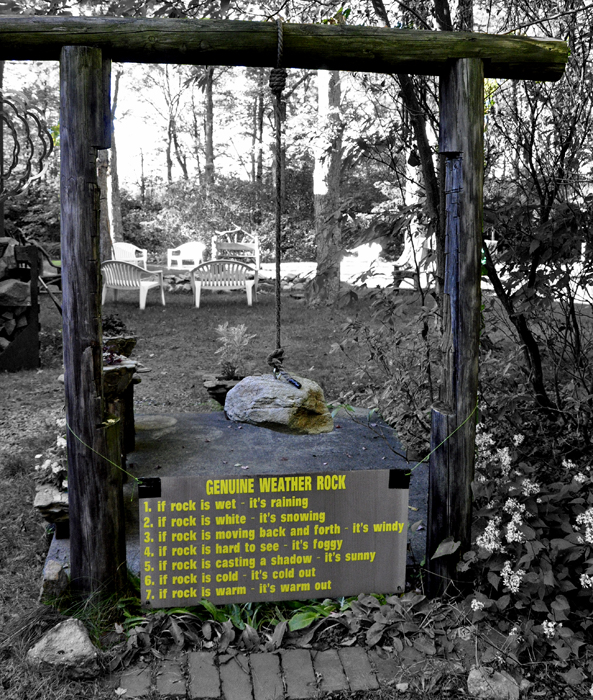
85	48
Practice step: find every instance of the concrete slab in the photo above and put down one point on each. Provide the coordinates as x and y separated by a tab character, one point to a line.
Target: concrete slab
208	444
329	671
358	669
136	682
298	674
170	682
204	681
266	677
235	678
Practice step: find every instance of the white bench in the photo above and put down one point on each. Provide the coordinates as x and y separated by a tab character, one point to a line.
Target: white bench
236	243
127	276
218	275
186	256
128	252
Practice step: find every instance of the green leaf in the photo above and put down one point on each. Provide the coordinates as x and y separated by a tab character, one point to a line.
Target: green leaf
302	620
446	547
503	602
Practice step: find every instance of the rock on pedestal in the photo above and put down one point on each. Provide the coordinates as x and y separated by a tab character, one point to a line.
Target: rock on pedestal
276	404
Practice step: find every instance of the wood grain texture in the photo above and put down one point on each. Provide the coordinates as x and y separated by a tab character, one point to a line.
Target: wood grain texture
332	47
97	547
453	419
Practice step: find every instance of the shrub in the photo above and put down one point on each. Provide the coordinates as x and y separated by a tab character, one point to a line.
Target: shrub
392	351
532	559
233	341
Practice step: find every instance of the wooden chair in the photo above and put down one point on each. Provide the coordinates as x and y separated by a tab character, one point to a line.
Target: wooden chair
186	256
124	275
224	275
128	252
238	244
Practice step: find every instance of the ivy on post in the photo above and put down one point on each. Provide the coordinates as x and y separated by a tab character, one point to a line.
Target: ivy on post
97	544
454	417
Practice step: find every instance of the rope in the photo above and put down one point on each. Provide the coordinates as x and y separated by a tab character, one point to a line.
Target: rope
277	85
102	456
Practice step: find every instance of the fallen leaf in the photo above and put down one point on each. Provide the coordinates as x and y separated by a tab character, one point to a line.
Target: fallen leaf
574	676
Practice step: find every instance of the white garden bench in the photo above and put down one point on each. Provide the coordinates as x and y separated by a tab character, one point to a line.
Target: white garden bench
128	252
127	276
236	243
186	256
219	275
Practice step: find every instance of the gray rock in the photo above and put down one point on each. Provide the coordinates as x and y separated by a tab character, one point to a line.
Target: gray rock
55	580
51	503
66	646
270	403
492	685
15	293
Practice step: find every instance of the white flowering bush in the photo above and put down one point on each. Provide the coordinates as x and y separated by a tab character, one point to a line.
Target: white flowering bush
51	466
532	559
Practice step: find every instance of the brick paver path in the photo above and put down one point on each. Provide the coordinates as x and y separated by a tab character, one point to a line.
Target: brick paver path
293	674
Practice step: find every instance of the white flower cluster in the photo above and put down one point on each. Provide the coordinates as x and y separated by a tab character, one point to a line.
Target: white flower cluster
477	605
586	581
55	460
580	478
504	457
568	465
483	440
529	487
518	440
490	538
586	519
512	505
550	628
512	579
513	534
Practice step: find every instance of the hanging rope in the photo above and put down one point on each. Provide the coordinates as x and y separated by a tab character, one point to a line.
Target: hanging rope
277	85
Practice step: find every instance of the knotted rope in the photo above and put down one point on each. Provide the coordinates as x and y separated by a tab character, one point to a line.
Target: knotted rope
277	85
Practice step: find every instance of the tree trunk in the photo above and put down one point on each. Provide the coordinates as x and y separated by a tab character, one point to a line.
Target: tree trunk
105	227
258	155
325	287
113	192
209	129
168	152
196	133
97	542
180	157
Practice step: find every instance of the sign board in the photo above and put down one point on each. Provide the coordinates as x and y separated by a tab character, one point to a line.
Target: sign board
268	538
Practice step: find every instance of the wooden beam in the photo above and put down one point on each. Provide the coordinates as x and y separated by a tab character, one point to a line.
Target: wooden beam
461	147
97	544
332	47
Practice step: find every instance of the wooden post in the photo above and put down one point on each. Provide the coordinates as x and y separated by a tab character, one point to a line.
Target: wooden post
454	417
97	544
